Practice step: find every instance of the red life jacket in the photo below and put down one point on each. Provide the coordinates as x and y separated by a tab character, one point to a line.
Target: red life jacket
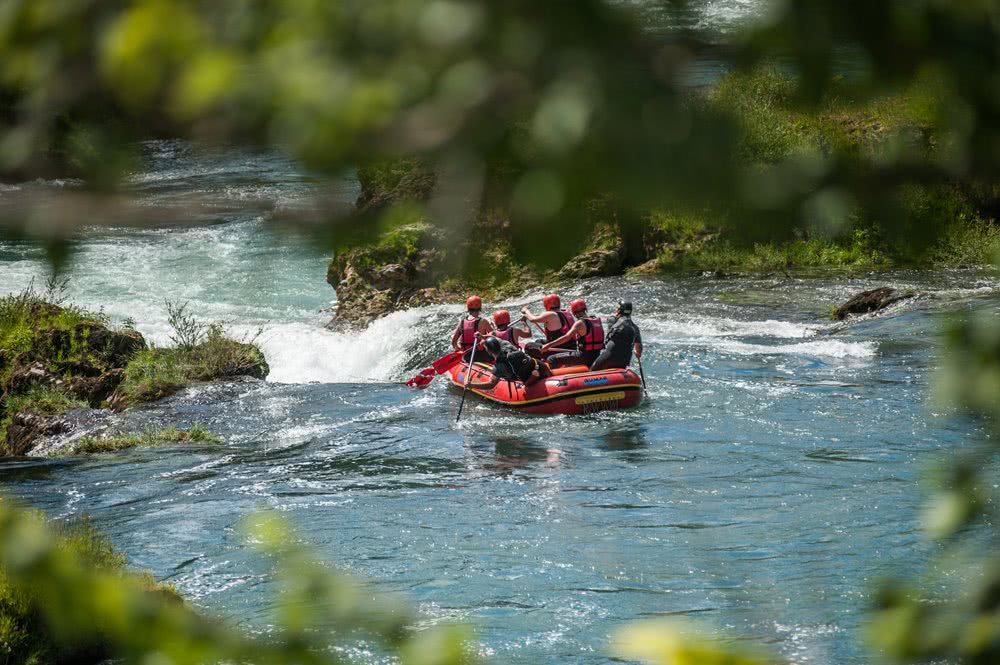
567	323
507	335
594	339
469	329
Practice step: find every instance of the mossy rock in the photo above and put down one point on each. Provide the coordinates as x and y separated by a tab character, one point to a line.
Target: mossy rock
388	182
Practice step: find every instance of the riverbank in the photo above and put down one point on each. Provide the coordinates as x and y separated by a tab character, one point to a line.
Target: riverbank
56	357
409	258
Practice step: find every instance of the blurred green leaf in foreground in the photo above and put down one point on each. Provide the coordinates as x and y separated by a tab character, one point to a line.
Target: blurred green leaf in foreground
533	109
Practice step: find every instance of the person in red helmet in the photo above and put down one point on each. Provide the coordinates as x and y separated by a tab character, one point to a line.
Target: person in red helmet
588	331
555	321
506	331
471	326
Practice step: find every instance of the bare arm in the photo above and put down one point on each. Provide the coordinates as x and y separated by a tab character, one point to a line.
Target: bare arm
455	337
638	349
488	385
544	316
574	332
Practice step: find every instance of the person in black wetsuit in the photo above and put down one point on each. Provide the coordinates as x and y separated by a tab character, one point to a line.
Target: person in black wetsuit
512	364
622	339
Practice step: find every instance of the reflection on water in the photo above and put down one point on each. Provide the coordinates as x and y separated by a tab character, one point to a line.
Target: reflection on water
625	439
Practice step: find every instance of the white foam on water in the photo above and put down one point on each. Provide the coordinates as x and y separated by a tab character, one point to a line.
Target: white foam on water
304	352
703	326
825	348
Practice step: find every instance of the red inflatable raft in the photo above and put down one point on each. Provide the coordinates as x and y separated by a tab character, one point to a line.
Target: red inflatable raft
572	390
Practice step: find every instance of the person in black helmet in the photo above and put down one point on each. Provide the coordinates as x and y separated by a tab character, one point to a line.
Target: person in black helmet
622	339
513	364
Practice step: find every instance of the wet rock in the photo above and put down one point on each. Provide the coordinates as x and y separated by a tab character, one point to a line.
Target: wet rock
391	182
107	348
119	400
604	257
95	389
81	423
392	276
27	428
595	263
30	376
428	296
867	302
649	267
78	368
116	346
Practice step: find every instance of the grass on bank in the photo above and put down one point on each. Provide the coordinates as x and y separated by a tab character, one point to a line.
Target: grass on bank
28	320
160	371
150	438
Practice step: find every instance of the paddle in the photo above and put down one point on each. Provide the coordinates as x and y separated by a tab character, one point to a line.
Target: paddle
541	330
446	362
468	375
642	376
439	366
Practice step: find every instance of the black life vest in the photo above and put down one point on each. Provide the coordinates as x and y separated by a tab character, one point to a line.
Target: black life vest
469	329
515	366
593	340
567	323
507	335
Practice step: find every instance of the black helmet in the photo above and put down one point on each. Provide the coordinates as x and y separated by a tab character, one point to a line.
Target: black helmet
625	308
492	345
534	349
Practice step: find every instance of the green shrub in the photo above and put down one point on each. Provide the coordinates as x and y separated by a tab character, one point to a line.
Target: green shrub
965	243
157	372
856	251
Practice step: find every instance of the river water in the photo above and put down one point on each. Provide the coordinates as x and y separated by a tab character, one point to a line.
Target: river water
768	482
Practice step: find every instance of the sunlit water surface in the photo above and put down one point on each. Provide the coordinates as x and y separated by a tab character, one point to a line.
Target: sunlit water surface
768	482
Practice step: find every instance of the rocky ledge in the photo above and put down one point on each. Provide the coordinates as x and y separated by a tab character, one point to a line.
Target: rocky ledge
413	262
54	359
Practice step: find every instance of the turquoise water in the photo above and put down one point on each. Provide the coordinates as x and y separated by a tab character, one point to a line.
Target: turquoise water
768	482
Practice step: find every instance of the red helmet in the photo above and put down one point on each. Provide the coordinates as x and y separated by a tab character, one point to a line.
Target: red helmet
551	301
578	305
501	317
474	302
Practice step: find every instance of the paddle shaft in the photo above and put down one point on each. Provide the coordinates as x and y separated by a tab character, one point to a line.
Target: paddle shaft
642	375
468	375
540	329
